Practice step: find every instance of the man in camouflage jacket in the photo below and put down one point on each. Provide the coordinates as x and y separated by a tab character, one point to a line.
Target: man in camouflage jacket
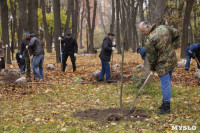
161	56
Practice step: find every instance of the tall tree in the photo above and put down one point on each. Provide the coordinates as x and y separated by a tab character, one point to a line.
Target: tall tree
118	26
91	26
48	35
4	26
57	27
112	25
75	18
22	6
157	8
33	16
186	22
81	25
69	13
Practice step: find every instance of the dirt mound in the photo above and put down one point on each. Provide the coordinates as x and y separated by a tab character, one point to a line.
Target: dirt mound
112	114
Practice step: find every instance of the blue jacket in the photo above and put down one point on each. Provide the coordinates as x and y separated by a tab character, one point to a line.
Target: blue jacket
192	51
143	52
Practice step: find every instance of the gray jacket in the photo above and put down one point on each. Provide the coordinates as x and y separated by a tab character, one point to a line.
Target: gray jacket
37	46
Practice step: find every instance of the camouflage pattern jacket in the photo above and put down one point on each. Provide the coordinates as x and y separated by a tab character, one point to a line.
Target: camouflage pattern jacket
159	49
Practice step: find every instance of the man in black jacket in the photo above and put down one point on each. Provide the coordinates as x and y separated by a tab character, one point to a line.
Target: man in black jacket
70	48
37	47
105	55
25	42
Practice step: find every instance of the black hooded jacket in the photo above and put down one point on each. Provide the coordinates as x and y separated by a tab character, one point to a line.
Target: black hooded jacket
70	46
106	49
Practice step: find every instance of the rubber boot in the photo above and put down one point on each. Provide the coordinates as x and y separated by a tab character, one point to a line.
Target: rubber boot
165	109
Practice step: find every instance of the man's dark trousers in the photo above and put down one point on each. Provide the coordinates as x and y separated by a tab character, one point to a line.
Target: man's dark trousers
73	60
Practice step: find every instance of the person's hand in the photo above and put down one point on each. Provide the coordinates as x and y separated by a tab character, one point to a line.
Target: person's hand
114	44
20	56
187	69
31	57
75	54
152	73
27	47
113	48
190	51
59	38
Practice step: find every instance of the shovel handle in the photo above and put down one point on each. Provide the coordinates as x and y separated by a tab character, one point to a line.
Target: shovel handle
151	73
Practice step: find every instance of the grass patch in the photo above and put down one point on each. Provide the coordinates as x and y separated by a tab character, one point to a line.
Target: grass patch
51	111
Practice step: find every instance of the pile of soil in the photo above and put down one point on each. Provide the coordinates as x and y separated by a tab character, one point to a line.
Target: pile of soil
112	114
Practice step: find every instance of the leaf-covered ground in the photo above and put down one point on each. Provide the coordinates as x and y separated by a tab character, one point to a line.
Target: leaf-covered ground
51	107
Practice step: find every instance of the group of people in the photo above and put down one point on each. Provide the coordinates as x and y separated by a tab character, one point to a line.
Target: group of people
157	49
32	50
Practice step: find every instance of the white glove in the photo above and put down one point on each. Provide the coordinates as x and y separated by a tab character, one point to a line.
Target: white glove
152	73
190	51
75	54
20	56
113	48
114	44
59	38
31	57
27	47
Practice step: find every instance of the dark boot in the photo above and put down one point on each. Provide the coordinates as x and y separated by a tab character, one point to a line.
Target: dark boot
100	80
165	109
161	106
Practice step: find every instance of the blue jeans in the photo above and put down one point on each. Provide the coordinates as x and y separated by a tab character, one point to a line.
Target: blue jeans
166	86
105	70
22	68
37	66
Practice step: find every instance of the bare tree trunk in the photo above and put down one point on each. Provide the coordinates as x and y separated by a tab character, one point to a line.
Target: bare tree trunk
13	7
186	22
118	43
141	12
134	29
19	33
4	26
124	21
69	13
33	16
48	36
75	16
23	14
57	27
81	25
158	8
195	27
112	25
91	26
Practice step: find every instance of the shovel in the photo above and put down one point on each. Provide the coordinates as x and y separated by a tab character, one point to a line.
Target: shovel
151	73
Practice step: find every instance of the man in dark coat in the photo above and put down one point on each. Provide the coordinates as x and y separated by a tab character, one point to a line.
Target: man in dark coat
21	62
25	42
192	51
70	48
105	55
37	47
